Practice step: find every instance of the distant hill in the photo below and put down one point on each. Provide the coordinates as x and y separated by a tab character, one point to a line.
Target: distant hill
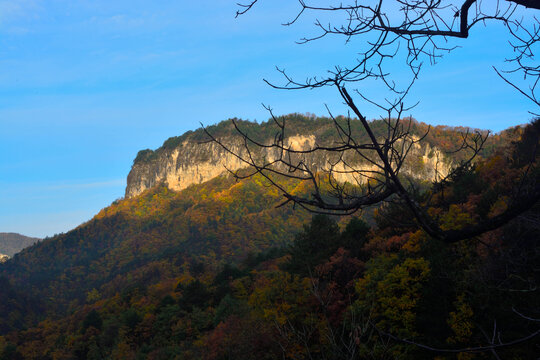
12	243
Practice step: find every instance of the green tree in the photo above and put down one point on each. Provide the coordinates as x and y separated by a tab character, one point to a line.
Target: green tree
315	244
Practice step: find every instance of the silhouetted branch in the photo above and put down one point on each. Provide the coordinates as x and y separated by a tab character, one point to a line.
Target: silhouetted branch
424	27
476	349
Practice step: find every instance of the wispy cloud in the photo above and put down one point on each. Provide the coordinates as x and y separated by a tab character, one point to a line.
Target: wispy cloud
117	21
87	185
13	10
60	186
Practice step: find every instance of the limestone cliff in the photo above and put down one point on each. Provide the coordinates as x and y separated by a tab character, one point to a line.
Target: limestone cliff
189	159
189	163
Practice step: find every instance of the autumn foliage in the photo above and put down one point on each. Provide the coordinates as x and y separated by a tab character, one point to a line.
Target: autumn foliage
218	272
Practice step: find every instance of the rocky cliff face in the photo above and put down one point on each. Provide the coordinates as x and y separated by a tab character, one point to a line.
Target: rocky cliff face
191	161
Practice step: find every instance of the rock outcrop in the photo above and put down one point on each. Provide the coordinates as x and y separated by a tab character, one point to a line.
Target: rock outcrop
189	159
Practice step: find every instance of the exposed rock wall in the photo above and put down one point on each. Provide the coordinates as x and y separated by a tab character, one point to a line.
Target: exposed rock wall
192	162
189	163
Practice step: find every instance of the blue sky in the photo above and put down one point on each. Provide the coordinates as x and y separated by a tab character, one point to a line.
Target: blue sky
85	85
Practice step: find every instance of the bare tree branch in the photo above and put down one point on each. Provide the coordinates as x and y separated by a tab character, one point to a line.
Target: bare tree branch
476	349
421	29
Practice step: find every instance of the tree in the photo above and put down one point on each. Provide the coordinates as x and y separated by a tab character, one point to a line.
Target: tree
422	28
415	32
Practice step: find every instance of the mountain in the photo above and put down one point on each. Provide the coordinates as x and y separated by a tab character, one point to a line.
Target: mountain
159	236
193	159
189	267
12	243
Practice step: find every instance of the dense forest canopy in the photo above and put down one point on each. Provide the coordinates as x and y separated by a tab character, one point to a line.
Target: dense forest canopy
217	271
236	268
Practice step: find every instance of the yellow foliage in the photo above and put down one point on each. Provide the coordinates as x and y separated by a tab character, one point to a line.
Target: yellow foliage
280	297
500	206
92	296
455	219
494	163
434	212
123	352
460	321
184	279
415	241
240	288
392	295
465	356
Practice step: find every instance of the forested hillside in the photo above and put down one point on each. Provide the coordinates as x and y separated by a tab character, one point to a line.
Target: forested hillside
217	271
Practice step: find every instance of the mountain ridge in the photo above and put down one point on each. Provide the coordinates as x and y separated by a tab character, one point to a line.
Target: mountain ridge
193	158
12	243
